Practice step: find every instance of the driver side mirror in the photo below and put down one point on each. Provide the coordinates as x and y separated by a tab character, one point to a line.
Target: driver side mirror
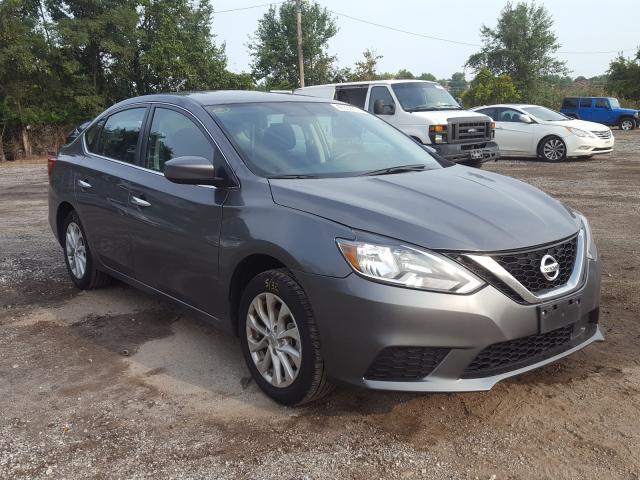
192	171
380	108
525	119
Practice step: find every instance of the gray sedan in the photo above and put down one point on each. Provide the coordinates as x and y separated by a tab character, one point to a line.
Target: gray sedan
335	247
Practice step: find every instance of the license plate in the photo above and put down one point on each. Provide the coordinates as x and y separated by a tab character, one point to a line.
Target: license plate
477	155
558	314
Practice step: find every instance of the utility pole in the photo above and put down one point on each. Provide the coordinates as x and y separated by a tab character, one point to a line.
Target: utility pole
299	31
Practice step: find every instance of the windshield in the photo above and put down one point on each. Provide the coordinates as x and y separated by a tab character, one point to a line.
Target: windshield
301	139
545	114
613	102
422	96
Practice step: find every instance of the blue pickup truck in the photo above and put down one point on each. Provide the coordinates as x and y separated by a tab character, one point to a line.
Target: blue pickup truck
600	110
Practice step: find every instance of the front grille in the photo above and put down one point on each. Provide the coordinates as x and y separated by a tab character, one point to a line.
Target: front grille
405	363
604	134
465	132
524	266
521	352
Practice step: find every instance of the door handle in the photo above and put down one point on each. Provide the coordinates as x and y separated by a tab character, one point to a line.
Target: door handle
139	201
83	184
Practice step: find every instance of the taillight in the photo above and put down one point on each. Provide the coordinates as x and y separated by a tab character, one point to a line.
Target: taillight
51	162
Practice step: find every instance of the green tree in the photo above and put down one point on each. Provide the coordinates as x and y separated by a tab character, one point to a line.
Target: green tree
458	84
273	47
176	49
522	45
366	69
487	89
427	76
624	77
404	74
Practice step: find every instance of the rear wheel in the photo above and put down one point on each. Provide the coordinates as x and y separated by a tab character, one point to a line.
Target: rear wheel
552	149
626	124
78	257
280	339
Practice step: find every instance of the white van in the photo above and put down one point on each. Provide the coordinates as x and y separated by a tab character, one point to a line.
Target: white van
423	110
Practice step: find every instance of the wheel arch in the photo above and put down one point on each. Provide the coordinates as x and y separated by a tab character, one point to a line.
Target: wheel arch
246	269
544	139
63	210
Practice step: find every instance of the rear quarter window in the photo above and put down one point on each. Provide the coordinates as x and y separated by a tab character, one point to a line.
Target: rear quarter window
570	103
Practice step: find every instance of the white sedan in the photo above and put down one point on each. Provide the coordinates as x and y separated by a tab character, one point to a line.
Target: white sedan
534	131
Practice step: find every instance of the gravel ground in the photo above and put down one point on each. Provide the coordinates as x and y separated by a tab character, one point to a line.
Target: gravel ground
117	384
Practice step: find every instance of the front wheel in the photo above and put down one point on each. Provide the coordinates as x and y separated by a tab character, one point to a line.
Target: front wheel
280	339
626	124
553	149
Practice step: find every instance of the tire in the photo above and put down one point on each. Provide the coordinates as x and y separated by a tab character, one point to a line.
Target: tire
473	163
75	247
276	290
626	124
552	149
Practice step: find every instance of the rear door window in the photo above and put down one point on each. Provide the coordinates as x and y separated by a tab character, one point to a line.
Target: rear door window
490	112
92	134
585	103
119	136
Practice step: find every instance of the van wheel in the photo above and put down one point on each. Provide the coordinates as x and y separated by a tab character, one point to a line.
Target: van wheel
627	124
78	257
280	340
552	149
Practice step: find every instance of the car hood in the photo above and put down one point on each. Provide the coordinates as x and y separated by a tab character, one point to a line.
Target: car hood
438	117
454	208
581	124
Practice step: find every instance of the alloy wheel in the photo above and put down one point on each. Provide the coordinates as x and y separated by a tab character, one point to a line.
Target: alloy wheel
554	149
76	250
274	340
626	125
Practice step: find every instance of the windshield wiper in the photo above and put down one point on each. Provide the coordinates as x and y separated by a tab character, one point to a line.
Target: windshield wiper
399	169
295	176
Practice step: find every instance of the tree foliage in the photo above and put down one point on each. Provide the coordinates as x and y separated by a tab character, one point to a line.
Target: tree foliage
64	62
624	77
487	89
274	50
522	45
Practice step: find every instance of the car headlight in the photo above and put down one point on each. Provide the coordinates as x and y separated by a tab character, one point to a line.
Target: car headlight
592	251
408	267
580	133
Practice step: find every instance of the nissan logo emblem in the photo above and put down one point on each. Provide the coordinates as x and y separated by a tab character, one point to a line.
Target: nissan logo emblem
549	267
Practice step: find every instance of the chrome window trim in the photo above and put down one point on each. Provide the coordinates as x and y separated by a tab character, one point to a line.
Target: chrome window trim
572	284
86	151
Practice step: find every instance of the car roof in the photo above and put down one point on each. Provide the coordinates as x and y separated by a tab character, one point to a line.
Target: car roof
368	82
220	97
507	105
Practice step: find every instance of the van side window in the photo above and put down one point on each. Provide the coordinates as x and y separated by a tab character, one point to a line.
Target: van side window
119	136
353	95
174	135
380	93
602	103
570	103
585	103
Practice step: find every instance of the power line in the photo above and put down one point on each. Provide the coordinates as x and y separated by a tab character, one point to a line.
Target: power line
440	39
421	35
247	8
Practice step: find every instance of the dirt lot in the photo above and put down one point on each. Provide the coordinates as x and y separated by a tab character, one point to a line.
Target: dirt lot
117	384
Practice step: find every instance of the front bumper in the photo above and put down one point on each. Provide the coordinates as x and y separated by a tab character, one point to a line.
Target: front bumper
358	319
582	147
461	152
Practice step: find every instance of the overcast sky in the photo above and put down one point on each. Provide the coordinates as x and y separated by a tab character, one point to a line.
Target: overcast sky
581	26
